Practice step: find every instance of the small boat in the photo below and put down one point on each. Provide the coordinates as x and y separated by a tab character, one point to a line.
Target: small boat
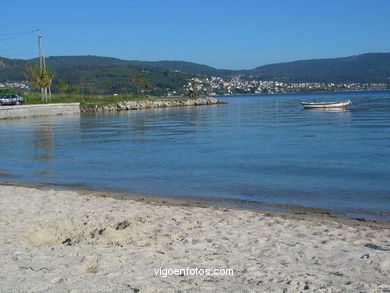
326	105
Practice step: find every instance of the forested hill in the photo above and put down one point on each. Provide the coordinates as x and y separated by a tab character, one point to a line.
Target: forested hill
190	67
372	67
101	74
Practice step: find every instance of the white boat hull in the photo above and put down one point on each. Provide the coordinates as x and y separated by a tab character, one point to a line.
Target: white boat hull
326	105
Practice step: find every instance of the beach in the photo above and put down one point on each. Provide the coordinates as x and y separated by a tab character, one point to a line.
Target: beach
55	240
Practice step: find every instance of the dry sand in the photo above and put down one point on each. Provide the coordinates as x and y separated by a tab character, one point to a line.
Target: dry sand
74	241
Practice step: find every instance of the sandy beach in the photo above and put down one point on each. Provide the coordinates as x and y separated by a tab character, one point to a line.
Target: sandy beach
56	240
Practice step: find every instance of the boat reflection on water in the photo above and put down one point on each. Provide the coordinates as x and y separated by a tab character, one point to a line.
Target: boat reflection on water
329	110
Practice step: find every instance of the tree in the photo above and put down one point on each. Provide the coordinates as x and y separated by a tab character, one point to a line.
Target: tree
148	85
61	86
71	90
92	89
108	85
194	86
138	81
81	84
140	84
40	78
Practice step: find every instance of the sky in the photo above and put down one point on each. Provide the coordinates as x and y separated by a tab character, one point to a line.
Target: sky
224	34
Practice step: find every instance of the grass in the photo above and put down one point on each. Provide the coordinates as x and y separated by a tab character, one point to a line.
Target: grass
35	98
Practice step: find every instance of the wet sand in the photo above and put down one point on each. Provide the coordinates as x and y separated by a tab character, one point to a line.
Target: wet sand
55	240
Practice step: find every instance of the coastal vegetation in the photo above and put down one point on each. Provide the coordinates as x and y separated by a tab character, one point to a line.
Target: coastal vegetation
97	79
34	98
40	78
94	75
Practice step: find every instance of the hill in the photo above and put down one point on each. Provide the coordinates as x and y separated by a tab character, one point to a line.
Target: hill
114	75
190	67
101	74
182	66
372	67
11	69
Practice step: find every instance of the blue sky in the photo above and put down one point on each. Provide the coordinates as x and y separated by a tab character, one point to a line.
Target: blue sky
225	34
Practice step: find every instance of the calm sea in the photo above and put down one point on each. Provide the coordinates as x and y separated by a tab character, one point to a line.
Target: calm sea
258	149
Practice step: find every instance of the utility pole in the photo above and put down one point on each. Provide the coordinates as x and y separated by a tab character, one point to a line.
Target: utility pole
42	63
40	49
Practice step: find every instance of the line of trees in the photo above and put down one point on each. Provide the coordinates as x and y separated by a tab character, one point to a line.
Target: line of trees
81	87
42	79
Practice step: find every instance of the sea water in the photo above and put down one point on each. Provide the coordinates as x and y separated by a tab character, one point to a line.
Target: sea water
261	149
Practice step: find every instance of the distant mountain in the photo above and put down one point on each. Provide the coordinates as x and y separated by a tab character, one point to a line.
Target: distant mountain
372	67
190	67
205	70
173	75
11	69
83	61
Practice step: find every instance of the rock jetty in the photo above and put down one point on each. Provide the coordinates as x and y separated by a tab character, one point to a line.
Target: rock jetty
148	104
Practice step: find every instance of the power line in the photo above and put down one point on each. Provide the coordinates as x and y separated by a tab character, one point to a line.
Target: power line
17	46
16	56
18	33
11	36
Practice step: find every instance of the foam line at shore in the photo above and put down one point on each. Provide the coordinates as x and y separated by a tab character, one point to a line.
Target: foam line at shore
345	215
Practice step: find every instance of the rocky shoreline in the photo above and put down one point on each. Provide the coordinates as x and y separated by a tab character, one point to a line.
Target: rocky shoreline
147	104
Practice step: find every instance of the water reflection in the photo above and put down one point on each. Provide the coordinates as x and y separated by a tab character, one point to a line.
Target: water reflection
328	110
43	142
143	125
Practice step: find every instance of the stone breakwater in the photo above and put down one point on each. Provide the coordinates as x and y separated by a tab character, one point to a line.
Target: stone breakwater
147	104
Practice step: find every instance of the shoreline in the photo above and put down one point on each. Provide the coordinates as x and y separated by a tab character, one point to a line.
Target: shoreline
160	103
284	210
86	241
57	109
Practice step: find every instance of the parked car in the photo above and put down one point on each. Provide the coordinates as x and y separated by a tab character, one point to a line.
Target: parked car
11	99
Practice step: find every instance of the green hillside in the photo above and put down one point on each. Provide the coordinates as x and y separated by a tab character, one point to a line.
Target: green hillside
101	74
11	69
190	67
373	67
109	75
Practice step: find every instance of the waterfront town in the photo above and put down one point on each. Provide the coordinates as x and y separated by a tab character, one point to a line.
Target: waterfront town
217	86
17	85
214	86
